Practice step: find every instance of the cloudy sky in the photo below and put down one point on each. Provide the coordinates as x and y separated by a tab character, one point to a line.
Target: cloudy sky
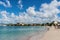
29	11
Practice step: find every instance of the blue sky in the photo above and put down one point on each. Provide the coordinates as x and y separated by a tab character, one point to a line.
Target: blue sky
37	11
26	4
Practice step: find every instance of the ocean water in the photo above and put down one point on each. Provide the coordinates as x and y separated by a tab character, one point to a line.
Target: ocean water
20	32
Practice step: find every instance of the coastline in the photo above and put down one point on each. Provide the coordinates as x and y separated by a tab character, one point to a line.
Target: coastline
35	36
52	34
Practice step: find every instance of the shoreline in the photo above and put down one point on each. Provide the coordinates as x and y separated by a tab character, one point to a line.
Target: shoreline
51	34
36	36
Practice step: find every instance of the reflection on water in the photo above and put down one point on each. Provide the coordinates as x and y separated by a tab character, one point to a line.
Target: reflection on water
19	32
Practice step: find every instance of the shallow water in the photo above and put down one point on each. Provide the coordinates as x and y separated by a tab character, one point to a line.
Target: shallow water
20	32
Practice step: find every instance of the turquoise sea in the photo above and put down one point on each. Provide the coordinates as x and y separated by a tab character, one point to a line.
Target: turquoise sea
20	32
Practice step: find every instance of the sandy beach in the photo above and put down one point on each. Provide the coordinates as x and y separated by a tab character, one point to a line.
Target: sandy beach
52	34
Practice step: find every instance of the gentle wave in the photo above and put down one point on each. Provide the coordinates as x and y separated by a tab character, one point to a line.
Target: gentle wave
21	33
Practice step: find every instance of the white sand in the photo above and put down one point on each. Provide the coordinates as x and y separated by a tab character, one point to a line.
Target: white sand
52	34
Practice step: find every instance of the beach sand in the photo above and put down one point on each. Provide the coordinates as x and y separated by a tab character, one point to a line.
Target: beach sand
52	34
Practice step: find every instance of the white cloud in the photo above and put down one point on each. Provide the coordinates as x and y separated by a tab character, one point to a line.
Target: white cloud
20	4
4	18
31	11
6	5
47	13
4	15
51	10
7	18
